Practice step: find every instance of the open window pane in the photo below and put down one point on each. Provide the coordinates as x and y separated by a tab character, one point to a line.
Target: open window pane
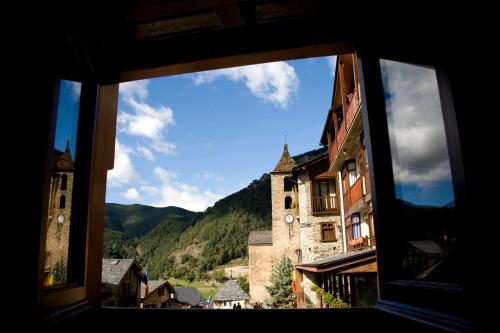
61	184
421	168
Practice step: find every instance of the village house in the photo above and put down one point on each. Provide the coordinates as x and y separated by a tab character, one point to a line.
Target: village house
321	208
230	296
121	280
186	298
305	219
352	275
158	294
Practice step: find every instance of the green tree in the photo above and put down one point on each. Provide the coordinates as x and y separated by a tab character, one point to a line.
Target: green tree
60	272
219	275
243	282
281	286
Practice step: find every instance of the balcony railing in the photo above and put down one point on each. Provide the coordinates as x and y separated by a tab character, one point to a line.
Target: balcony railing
366	183
325	205
352	110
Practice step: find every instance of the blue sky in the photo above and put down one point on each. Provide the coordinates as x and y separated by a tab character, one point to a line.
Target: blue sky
189	140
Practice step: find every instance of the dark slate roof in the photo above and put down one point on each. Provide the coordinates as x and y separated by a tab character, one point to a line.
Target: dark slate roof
190	296
231	291
310	156
63	161
286	162
153	284
427	246
113	270
260	237
338	258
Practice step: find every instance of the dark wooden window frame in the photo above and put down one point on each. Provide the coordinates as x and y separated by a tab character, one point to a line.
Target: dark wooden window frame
102	110
405	296
311	189
325	226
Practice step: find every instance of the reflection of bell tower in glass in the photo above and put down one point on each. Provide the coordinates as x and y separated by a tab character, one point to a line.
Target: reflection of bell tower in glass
284	208
61	188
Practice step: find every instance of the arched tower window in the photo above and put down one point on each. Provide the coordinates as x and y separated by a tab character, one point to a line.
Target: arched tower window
287	184
62	201
64	182
288	202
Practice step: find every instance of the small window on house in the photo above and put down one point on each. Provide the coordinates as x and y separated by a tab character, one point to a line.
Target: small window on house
356	226
64	182
288	202
328	232
62	202
287	184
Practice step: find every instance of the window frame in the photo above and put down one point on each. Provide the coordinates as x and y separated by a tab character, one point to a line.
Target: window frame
324	226
406	296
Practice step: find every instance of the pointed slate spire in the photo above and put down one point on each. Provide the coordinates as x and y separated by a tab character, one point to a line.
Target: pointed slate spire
65	162
286	162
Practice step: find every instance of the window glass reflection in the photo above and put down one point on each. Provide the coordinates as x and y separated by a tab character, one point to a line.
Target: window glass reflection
421	168
61	184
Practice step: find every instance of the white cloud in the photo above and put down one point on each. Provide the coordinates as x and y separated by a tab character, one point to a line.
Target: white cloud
76	88
131	194
179	194
209	176
148	122
149	190
271	82
331	62
143	151
134	89
416	128
123	170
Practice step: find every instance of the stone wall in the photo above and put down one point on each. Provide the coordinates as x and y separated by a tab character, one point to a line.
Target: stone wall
310	229
58	233
285	235
260	263
155	300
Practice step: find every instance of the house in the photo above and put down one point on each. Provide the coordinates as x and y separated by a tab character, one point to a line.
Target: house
305	219
120	283
186	298
159	294
102	44
350	275
231	295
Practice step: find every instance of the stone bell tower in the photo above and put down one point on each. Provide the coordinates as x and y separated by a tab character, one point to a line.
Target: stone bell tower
285	209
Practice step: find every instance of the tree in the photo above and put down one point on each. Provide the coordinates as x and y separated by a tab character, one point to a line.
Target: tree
219	275
281	286
243	282
60	272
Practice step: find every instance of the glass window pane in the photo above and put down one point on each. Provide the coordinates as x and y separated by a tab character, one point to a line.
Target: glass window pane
416	131
422	175
61	184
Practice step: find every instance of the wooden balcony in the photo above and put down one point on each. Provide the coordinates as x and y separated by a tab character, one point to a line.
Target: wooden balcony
350	115
325	205
357	244
354	194
352	108
366	183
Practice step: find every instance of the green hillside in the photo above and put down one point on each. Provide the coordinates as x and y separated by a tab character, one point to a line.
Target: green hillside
173	242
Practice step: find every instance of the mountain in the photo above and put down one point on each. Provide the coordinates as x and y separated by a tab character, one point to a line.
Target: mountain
137	220
175	242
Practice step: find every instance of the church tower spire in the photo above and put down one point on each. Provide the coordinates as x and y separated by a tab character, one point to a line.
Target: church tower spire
286	162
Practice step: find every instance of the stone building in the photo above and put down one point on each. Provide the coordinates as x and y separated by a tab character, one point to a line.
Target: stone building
159	295
58	221
349	276
305	221
231	295
120	283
